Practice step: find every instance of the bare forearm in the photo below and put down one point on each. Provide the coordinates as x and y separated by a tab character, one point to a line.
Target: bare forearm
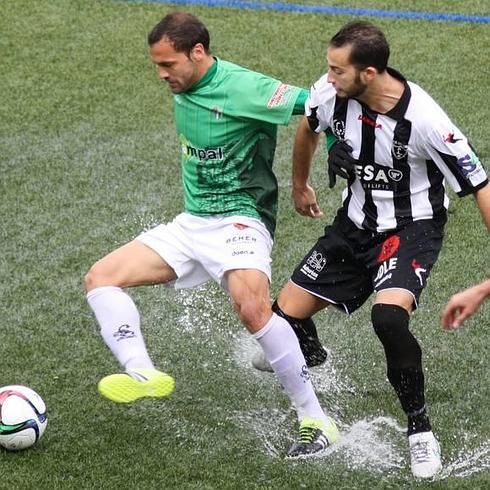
483	200
305	145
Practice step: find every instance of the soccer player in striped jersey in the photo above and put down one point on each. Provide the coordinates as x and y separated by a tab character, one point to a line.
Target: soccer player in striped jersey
226	118
397	149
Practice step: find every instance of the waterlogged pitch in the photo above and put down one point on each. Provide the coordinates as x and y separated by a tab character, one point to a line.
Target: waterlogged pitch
89	157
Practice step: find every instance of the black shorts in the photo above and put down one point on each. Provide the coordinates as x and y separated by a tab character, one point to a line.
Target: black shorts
347	264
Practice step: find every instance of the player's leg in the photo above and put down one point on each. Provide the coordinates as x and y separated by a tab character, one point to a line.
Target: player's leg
328	274
236	252
304	328
403	265
390	317
132	264
301	320
249	290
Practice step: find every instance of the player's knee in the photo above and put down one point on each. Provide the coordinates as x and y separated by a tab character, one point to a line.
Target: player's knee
95	277
390	323
254	312
89	280
389	319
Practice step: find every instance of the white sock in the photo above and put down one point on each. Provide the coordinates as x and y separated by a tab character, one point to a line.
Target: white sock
119	322
282	350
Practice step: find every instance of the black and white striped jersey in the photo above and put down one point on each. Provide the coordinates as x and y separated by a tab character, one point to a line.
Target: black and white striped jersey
405	156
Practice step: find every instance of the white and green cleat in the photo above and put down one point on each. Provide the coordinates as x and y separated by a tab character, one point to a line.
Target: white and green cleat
136	383
425	455
314	436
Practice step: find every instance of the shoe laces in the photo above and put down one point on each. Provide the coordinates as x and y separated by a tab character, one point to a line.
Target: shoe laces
307	434
420	452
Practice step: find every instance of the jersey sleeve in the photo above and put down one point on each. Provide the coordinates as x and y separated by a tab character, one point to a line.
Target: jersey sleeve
451	151
265	99
299	105
319	107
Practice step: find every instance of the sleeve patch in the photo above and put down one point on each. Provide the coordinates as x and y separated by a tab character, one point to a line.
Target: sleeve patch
281	96
469	165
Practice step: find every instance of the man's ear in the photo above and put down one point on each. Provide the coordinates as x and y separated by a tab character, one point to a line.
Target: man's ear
369	73
197	52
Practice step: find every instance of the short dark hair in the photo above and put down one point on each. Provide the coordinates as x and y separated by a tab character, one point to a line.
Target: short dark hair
369	45
183	31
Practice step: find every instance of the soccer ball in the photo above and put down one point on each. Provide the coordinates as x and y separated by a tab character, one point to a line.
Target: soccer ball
23	417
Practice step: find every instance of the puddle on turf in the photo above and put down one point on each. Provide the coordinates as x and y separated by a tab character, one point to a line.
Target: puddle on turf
374	444
365	444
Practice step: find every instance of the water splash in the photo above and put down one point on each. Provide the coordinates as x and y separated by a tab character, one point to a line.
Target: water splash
372	444
468	462
365	444
199	309
375	444
325	378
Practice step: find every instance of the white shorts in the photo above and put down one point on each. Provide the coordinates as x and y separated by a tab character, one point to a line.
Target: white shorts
203	248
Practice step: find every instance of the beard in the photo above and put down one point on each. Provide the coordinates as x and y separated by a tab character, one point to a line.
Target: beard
358	87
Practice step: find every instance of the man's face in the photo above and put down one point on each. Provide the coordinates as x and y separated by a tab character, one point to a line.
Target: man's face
176	68
347	80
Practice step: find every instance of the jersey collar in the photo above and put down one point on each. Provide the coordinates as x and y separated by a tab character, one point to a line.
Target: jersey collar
398	112
207	77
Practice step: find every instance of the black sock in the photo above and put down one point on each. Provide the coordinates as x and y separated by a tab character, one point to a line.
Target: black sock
409	387
307	334
404	363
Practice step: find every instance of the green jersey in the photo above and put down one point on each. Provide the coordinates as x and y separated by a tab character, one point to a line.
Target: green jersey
227	126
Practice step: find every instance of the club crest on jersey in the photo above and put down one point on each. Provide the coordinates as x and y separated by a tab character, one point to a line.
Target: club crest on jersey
339	128
399	150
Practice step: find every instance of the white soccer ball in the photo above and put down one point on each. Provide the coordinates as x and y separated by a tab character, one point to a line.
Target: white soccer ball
23	417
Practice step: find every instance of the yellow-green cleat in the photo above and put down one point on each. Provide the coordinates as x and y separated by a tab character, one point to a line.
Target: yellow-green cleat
136	383
314	437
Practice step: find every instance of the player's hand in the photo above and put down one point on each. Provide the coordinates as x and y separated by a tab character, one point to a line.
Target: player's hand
305	203
340	162
461	306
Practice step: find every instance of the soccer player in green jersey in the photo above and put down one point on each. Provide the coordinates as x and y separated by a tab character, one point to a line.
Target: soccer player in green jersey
226	118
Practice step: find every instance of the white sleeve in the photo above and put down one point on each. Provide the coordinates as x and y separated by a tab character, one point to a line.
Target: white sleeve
320	104
450	150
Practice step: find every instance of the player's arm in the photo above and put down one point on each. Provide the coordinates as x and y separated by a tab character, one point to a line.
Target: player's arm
464	304
305	144
340	160
453	154
482	197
